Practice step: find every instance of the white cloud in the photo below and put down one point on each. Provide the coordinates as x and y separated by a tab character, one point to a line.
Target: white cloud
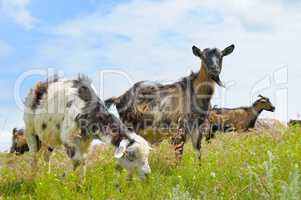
153	39
5	140
9	118
18	11
5	135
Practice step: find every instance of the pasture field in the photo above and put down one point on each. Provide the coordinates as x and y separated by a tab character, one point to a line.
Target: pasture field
253	165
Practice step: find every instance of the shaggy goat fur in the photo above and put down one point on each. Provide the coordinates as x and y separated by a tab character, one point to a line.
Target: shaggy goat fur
174	110
69	112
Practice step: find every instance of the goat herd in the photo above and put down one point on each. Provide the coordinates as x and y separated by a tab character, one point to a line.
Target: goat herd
69	112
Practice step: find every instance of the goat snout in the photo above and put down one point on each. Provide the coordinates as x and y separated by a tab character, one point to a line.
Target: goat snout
145	171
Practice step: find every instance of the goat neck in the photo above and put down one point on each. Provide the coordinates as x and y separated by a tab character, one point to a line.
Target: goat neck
203	88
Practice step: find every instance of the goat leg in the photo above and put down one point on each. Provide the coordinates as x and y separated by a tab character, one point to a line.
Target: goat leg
197	136
178	140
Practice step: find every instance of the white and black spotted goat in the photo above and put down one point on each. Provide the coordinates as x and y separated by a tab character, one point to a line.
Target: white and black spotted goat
69	112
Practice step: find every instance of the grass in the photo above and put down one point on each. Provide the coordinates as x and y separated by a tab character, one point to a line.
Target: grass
254	165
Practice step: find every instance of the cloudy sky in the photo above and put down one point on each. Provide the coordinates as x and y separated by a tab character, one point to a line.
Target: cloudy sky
131	40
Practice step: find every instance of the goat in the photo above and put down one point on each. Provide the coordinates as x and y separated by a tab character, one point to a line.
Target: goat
19	143
185	104
238	119
294	122
69	112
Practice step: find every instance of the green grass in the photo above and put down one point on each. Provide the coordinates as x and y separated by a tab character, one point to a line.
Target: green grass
251	165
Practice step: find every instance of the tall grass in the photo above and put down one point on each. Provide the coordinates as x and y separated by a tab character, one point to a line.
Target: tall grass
254	165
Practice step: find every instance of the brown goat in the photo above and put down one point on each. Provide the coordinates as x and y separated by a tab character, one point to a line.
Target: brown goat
182	105
19	143
238	119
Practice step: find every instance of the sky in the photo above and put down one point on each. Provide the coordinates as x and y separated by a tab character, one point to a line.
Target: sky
119	43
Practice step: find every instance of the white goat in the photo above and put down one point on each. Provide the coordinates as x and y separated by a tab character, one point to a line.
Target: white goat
69	112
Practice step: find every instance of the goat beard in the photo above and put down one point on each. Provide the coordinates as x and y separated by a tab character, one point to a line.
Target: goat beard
217	79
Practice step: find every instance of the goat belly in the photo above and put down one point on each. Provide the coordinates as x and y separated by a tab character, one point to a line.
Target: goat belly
48	128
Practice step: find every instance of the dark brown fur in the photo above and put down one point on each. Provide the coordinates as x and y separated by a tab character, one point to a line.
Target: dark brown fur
137	106
19	143
40	90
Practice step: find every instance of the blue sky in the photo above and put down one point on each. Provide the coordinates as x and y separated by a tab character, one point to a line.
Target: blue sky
151	40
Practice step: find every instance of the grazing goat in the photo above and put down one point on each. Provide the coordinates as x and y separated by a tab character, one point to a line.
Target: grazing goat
294	122
238	119
185	104
69	112
19	143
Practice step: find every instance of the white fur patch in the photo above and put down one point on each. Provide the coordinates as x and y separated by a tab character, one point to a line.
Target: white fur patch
214	60
139	139
113	110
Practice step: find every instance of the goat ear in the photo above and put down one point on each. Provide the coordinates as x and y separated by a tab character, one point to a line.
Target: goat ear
197	52
228	50
121	149
113	110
